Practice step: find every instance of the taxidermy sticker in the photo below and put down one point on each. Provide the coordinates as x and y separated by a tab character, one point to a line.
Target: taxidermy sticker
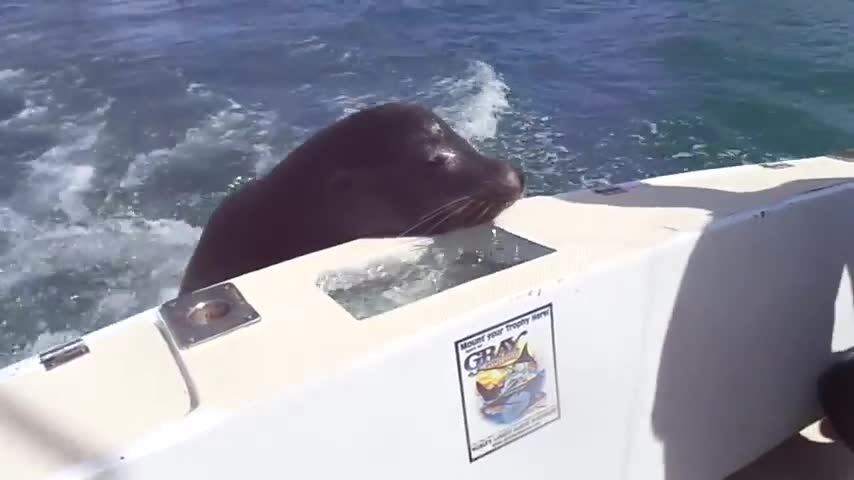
508	380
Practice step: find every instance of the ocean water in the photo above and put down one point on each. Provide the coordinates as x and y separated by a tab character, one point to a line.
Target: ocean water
122	123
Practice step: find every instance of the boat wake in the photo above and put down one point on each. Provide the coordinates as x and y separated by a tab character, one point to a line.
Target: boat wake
97	224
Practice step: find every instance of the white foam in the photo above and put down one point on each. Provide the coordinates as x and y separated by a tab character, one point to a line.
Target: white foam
39	250
234	127
20	40
198	89
32	117
117	266
137	256
309	48
30	112
266	159
54	183
477	102
9	74
61	176
477	105
653	127
308	40
349	104
528	139
473	103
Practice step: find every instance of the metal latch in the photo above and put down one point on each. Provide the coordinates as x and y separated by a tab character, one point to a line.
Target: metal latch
206	314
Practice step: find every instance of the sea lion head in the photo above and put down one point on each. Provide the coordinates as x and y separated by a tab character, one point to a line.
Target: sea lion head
399	169
387	171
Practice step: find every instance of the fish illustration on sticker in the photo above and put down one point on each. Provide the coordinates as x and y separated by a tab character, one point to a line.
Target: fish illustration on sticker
509	389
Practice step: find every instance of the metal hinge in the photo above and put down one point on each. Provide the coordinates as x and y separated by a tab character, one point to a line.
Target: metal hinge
62	354
610	190
776	165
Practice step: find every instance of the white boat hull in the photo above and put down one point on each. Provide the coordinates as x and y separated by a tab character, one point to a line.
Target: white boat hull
678	327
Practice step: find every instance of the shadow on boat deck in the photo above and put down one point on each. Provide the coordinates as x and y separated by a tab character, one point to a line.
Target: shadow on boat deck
798	459
711	380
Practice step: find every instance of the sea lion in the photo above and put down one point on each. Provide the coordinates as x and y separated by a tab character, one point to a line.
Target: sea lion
391	170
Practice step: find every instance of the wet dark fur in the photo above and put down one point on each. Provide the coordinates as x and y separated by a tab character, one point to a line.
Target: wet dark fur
381	172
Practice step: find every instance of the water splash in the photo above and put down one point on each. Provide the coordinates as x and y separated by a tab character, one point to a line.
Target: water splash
477	101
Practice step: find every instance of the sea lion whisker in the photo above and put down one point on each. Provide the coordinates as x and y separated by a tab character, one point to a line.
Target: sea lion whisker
444	207
450	215
433	214
442	219
483	213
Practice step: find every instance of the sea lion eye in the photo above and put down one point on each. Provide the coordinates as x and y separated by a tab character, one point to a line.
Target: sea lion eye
441	157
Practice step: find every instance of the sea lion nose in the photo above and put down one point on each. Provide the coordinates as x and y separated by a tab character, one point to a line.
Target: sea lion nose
514	179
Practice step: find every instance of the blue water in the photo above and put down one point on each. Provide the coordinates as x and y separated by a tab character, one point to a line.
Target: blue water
122	123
